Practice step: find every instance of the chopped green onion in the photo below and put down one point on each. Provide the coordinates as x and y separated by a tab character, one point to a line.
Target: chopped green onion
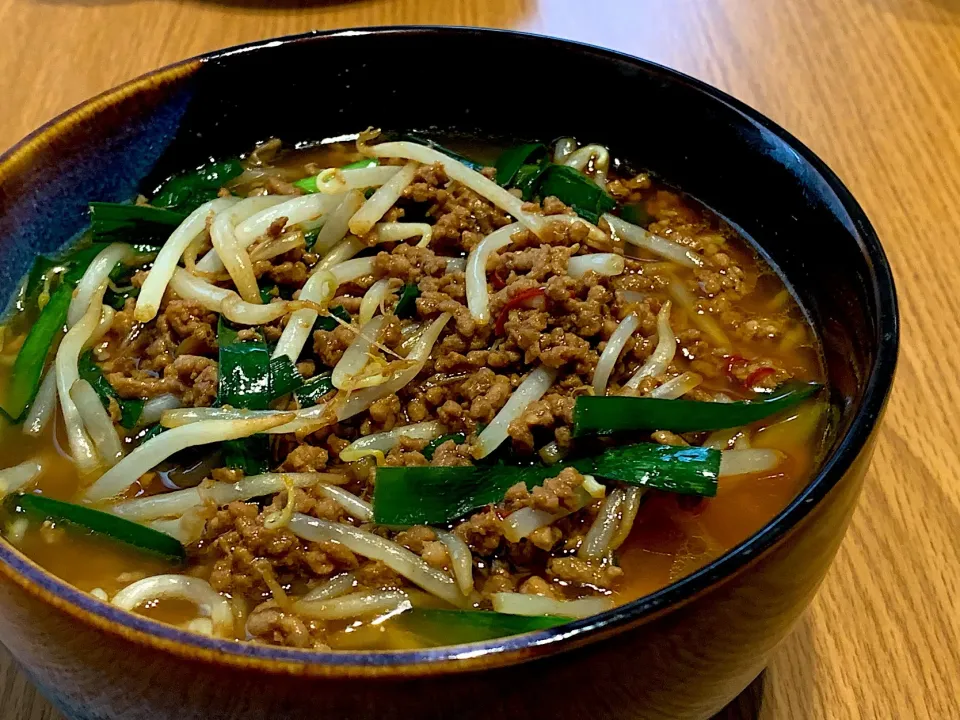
130	410
456	627
610	414
576	190
435	495
407	304
312	390
188	191
511	160
40	508
325	322
431	447
28	367
124	222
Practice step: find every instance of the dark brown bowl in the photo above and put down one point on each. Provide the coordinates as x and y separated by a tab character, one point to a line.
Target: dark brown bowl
682	652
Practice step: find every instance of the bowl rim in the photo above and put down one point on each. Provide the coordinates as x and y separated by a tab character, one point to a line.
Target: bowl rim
504	651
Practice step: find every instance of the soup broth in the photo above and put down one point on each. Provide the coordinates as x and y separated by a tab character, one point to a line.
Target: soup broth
396	399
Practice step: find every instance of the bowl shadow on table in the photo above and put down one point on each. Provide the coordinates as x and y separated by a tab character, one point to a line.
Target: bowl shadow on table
785	688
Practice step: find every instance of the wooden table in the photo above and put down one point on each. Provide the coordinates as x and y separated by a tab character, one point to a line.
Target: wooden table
873	86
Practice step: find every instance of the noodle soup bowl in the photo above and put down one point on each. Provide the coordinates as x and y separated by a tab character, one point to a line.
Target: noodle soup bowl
681	652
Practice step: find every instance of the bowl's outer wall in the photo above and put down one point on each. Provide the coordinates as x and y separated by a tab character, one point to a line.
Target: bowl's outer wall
686	661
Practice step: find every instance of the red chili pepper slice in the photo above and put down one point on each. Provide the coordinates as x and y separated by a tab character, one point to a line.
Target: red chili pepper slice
518	300
498	282
734	361
757	375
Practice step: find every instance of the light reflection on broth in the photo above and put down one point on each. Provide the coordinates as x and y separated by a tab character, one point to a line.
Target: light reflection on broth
672	536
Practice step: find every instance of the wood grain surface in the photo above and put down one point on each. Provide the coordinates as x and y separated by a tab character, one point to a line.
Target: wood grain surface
873	86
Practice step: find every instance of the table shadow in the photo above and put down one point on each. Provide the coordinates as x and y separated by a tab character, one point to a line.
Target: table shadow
748	704
258	5
944	11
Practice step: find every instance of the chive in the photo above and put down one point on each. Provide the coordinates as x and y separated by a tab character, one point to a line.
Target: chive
130	410
435	495
250	379
360	164
431	447
77	262
188	191
41	508
266	292
325	322
244	373
527	178
407	304
42	266
309	184
124	222
312	390
28	367
251	455
284	377
610	414
575	189
472	164
678	469
310	237
456	627
148	434
244	382
118	301
636	213
511	160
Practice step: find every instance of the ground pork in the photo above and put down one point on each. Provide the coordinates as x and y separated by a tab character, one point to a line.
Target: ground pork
580	572
559	322
235	540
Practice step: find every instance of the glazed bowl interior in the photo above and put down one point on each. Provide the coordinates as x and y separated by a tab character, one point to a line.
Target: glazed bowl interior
691	136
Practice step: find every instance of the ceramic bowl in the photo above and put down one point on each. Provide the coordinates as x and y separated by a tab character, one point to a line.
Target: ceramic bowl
682	652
